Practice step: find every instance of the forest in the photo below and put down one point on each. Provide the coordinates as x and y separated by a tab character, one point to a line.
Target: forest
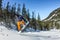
9	13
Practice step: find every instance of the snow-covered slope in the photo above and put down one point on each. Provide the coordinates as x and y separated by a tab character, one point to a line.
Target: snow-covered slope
50	17
6	34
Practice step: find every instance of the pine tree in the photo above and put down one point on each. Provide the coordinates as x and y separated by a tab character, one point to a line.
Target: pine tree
39	23
24	11
7	16
14	9
28	15
18	10
7	12
13	12
38	17
7	9
0	7
33	21
0	4
32	16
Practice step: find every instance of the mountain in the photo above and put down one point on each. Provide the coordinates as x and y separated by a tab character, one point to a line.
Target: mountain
55	14
53	19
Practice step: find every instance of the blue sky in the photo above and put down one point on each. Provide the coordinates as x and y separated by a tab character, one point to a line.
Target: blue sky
43	7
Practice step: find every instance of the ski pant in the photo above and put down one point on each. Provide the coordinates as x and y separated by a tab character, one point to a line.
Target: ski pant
19	23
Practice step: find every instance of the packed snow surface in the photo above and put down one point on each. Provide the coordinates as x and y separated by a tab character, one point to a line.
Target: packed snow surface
6	34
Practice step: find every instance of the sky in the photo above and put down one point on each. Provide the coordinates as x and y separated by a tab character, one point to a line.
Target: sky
43	7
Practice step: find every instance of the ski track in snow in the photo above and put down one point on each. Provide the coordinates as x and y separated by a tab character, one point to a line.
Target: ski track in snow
6	34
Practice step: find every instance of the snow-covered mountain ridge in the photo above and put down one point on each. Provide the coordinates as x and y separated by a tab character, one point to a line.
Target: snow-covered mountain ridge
55	14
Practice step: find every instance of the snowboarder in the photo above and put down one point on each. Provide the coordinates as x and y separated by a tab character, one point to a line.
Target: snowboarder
20	23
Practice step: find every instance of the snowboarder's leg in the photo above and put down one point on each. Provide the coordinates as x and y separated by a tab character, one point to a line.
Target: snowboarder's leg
18	26
21	27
